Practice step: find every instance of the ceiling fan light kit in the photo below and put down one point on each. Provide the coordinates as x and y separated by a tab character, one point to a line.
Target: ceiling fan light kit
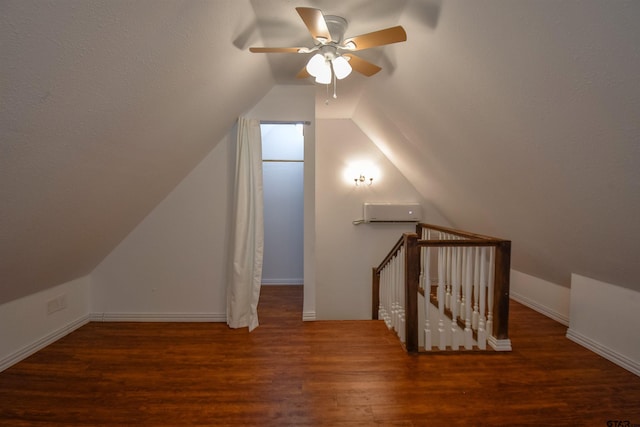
333	58
321	65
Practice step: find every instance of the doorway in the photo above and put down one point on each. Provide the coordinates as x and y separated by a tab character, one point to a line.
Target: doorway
283	187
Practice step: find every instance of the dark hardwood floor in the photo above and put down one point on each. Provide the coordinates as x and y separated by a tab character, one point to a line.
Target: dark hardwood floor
293	373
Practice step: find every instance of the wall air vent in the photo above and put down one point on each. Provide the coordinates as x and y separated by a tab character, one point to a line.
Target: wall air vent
392	212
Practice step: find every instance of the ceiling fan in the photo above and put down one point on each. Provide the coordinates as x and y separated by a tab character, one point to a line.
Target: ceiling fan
333	58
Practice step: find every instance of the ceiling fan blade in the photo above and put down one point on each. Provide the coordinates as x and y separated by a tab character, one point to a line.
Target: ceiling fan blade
314	20
303	74
362	66
377	38
275	49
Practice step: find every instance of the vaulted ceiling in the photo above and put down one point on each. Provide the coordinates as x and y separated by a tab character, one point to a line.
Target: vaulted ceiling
517	119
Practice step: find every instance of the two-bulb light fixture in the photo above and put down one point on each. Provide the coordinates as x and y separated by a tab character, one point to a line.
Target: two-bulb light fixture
361	174
363	180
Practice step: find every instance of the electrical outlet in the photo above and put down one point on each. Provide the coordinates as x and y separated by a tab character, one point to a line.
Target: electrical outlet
57	304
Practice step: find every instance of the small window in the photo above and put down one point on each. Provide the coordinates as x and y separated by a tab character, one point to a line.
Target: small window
282	142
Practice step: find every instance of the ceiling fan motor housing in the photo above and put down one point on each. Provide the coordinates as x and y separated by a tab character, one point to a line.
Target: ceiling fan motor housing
337	27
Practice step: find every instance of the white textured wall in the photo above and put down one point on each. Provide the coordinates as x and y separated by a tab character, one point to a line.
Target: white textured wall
545	297
346	252
605	319
26	326
174	263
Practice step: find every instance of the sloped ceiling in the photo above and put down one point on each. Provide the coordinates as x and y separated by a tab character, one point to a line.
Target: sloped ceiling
105	106
517	119
520	119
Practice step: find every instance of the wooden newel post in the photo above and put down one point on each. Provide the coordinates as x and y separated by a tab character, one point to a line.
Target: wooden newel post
412	279
501	290
375	297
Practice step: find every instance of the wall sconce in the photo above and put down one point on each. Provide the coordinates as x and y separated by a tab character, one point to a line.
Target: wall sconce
360	180
361	174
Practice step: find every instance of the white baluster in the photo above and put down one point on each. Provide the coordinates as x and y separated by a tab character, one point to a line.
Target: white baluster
381	296
459	271
387	294
383	288
396	293
394	300
449	274
383	312
468	285
482	333
455	293
401	295
392	292
490	286
397	284
396	307
402	330
442	343
427	302
385	297
463	279
476	288
387	307
423	253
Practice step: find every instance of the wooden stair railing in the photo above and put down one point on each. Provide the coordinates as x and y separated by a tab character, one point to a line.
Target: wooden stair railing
468	298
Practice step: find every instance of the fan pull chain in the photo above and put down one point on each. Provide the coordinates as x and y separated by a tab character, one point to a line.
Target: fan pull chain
335	86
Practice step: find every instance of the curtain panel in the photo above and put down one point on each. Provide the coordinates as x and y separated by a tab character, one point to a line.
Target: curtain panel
243	290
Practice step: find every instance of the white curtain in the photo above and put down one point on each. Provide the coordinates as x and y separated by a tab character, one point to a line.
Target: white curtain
243	290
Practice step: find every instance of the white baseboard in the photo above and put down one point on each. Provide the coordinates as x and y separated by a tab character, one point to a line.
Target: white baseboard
612	356
298	282
158	317
309	316
38	345
540	308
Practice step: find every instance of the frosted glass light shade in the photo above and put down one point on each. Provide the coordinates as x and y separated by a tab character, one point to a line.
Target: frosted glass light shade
316	65
341	67
324	76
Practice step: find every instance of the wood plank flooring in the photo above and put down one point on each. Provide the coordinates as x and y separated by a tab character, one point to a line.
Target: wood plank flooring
293	373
